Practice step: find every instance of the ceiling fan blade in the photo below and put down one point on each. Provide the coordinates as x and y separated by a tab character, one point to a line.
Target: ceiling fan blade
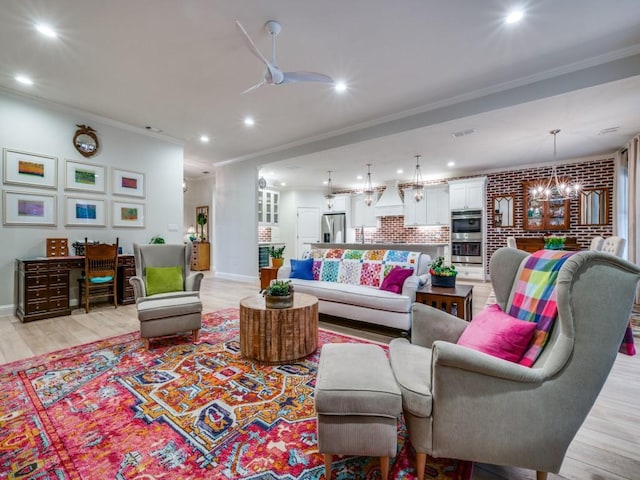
292	77
274	71
257	85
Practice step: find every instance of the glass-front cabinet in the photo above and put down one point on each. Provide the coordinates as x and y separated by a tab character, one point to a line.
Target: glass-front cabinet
268	207
552	214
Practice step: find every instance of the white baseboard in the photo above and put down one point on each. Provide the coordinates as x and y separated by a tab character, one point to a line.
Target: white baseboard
236	277
7	309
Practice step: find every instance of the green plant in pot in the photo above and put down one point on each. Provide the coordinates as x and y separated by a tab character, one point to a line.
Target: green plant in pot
279	294
554	242
442	275
277	255
157	239
201	219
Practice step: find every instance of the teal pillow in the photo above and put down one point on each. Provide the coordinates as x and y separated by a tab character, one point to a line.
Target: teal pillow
164	280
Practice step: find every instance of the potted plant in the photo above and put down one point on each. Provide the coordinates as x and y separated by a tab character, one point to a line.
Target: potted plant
276	254
201	219
157	239
442	275
554	242
279	294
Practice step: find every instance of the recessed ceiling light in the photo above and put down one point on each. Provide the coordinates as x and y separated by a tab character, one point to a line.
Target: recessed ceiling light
340	87
24	79
399	171
359	177
46	30
325	182
249	121
204	139
451	164
514	17
283	184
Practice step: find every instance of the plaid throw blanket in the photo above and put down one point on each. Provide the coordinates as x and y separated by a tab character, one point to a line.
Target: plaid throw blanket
535	301
535	297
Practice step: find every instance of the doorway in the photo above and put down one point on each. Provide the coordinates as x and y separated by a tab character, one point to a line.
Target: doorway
308	228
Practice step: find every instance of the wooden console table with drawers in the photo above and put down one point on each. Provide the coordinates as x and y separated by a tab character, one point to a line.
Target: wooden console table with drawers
43	285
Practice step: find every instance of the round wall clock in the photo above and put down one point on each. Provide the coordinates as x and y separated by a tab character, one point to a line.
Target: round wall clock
262	182
86	141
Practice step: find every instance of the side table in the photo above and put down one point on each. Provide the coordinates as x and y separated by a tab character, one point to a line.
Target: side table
456	301
266	275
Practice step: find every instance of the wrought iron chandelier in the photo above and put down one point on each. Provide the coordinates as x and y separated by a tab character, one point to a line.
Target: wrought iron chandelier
368	188
555	187
417	184
329	196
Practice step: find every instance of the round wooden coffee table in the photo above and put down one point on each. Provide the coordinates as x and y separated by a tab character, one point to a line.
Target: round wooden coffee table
278	335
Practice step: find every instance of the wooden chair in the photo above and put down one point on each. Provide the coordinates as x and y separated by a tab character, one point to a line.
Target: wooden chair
100	273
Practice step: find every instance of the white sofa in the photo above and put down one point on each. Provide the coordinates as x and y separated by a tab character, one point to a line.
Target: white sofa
346	283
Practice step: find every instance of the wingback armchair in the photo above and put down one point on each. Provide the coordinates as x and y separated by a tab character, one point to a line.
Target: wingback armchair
166	255
464	404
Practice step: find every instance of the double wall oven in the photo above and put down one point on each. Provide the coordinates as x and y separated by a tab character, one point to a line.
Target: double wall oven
466	237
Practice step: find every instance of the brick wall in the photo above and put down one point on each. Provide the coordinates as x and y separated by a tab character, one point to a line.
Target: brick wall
595	174
264	234
392	230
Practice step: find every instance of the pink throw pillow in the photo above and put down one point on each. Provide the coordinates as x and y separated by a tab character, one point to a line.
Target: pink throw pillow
394	280
494	332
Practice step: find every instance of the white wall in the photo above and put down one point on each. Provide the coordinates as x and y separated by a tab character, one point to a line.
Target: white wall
35	127
236	222
290	201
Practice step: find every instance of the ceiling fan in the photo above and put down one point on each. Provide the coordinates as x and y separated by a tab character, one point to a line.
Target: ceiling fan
273	75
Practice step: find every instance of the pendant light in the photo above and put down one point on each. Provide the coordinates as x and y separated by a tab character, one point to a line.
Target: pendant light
368	188
329	196
554	187
417	184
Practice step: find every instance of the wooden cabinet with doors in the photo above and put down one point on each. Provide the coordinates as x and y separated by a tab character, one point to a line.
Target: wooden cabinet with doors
268	207
550	215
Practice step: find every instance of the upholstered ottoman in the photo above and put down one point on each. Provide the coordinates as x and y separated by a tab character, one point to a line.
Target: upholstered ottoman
357	404
169	315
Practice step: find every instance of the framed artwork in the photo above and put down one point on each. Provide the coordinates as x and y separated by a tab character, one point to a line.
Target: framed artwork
32	169
84	176
86	212
128	183
21	208
126	214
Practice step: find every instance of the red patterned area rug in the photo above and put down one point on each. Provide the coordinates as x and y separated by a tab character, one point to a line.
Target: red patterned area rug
111	410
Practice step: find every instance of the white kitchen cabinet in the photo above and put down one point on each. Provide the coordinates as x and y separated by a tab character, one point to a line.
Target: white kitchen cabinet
415	213
363	215
437	204
268	207
467	194
340	204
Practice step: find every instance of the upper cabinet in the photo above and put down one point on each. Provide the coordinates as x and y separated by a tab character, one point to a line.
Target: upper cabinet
363	215
548	215
415	213
467	194
339	205
268	207
437	203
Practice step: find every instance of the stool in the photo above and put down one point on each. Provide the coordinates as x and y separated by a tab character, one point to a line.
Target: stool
357	404
169	315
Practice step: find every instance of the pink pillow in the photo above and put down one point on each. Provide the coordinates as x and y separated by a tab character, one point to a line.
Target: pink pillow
394	280
494	332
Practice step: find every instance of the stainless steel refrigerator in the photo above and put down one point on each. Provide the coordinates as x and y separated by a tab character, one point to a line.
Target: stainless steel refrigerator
333	228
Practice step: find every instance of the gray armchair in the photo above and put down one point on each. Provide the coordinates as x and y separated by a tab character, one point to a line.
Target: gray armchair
164	256
464	404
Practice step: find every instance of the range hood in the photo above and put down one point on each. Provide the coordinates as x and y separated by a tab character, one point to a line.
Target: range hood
390	204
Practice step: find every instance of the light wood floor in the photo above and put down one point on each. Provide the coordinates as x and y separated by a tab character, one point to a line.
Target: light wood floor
606	447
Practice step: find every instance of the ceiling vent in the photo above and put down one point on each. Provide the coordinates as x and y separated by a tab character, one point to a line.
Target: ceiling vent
463	133
604	131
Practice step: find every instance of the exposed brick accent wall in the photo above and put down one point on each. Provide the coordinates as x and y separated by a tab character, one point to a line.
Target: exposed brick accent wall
264	234
595	174
392	230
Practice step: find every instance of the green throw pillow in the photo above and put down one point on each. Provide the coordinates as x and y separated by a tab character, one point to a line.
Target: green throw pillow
164	279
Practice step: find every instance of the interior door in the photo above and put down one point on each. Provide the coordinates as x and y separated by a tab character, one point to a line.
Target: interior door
308	229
